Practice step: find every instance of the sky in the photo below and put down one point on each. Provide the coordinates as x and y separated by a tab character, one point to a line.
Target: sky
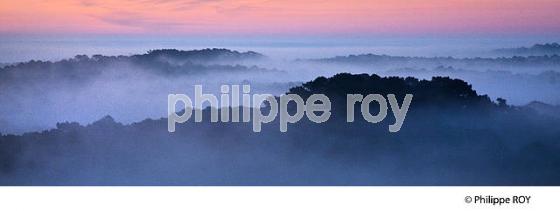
281	17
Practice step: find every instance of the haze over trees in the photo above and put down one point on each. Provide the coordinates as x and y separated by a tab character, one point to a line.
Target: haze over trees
37	94
535	50
452	136
100	120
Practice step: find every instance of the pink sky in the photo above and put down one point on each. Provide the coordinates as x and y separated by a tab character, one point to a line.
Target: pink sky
282	17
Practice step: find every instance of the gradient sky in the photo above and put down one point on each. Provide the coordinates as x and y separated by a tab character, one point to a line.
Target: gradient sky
282	17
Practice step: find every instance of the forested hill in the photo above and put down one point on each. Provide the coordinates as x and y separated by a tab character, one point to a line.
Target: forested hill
451	136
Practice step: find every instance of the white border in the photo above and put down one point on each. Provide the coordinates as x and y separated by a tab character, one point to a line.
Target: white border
269	198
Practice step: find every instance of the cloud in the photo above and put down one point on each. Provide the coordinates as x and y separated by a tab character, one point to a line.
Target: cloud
181	5
88	3
142	21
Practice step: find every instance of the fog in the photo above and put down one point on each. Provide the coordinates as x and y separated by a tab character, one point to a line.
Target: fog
100	119
38	94
452	136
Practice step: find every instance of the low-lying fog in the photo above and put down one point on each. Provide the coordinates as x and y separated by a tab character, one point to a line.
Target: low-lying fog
36	95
